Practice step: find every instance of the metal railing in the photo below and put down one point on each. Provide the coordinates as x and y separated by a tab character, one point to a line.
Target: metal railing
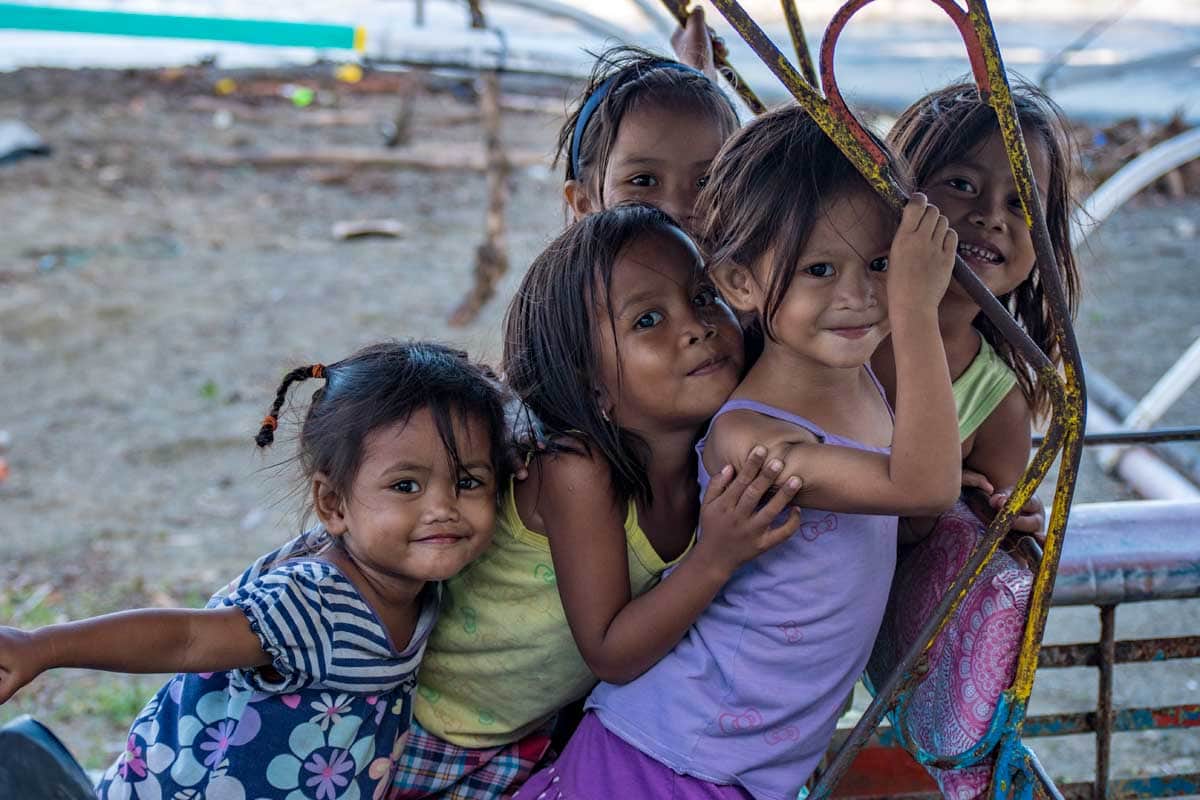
1016	770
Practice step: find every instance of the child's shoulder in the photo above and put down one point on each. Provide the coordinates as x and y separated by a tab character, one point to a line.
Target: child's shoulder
743	427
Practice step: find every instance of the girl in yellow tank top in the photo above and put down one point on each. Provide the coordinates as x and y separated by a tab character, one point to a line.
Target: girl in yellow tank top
623	351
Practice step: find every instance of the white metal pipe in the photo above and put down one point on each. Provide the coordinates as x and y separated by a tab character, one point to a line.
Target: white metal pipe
1169	388
1138	467
1131	179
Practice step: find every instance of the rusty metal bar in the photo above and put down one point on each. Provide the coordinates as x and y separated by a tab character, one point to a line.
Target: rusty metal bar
1123	721
1164	786
1067	395
1104	704
1130	651
1155	436
799	41
679	10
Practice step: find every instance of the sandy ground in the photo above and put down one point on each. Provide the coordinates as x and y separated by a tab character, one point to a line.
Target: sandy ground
148	308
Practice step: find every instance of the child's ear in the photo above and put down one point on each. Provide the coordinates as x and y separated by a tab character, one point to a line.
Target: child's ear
738	286
328	504
575	193
605	402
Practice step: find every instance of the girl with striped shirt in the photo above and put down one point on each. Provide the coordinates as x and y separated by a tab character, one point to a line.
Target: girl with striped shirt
296	679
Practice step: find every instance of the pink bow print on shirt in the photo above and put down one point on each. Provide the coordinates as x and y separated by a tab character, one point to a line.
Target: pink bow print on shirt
811	530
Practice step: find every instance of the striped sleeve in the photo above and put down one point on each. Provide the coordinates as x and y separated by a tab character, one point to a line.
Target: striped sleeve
319	633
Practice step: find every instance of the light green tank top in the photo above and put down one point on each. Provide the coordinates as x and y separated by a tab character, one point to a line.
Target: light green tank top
980	389
501	659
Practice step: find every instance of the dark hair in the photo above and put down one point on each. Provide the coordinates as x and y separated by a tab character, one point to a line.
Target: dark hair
768	186
637	76
383	384
944	127
551	357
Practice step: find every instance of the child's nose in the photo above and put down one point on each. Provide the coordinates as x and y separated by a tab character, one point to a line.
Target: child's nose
856	289
680	204
441	505
989	213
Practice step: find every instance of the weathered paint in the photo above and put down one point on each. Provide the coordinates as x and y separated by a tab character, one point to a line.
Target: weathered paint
679	10
791	15
1125	652
1065	431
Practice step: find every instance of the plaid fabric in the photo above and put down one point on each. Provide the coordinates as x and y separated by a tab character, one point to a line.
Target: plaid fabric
433	768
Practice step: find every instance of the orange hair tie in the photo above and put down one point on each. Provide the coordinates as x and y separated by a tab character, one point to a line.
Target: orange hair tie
269	421
318	370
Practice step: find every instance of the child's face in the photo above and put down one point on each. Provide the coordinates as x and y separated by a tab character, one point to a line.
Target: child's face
979	197
409	515
834	312
676	343
661	156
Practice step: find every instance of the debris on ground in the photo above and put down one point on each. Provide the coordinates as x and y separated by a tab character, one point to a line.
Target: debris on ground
363	228
18	140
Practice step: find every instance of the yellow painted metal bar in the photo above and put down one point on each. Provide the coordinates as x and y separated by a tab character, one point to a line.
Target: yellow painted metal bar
1067	391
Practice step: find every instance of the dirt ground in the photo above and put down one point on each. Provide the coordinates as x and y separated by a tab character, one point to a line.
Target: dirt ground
148	306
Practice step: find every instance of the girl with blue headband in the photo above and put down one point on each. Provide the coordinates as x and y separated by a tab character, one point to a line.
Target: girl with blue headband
645	130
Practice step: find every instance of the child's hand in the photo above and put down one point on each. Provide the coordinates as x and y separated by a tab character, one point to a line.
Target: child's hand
1030	519
18	662
736	527
696	45
921	259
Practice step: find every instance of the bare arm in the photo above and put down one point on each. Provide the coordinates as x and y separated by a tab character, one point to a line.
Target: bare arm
1002	443
922	473
620	636
141	641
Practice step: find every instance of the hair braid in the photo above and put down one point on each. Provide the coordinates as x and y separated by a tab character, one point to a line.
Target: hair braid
266	433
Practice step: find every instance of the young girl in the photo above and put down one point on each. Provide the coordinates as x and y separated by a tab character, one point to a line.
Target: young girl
621	347
645	129
952	141
297	677
746	703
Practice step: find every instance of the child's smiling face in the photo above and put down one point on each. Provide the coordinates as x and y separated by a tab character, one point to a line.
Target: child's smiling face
672	353
661	156
835	312
410	515
979	197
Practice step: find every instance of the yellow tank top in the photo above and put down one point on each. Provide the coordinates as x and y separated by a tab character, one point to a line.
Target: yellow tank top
501	659
980	389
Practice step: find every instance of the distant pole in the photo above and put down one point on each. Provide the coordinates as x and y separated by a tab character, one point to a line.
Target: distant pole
491	256
419	19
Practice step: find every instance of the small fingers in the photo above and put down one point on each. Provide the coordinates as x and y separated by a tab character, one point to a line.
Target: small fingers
747	502
719	483
977	480
914	212
1028	523
751	469
782	498
782	532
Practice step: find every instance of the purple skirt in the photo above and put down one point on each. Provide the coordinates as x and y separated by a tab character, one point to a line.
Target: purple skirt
598	765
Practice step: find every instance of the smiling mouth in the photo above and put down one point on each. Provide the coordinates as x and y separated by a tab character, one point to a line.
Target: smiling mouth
976	253
440	538
852	333
710	366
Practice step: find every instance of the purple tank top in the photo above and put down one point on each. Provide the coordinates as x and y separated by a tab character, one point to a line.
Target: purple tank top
751	694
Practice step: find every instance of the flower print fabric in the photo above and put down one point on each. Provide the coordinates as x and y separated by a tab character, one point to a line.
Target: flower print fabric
325	722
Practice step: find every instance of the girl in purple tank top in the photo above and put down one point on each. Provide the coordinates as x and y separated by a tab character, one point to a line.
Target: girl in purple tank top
745	704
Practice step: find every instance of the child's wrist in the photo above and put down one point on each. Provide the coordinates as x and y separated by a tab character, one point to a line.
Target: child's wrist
712	563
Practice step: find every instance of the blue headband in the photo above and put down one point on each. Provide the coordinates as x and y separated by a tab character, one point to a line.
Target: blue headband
598	96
